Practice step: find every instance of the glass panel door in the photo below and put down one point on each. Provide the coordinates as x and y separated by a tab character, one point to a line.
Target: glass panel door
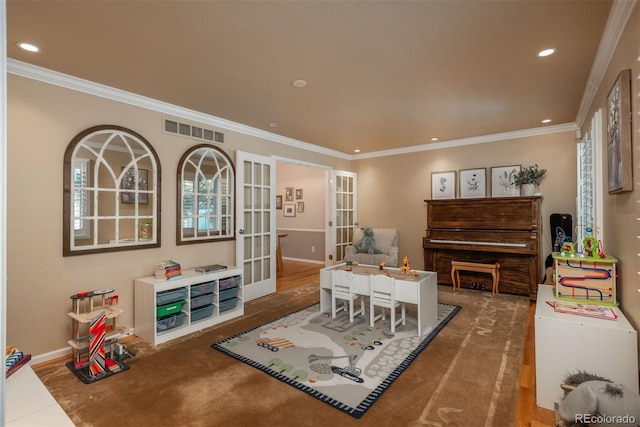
344	210
256	240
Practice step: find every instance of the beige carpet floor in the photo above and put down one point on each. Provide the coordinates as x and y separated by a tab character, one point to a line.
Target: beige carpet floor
467	376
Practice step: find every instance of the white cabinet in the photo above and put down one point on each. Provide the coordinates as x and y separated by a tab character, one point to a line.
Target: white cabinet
168	309
567	343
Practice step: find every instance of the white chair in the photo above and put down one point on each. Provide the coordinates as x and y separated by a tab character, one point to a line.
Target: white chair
382	293
342	289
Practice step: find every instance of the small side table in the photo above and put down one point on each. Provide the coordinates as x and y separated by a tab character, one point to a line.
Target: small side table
279	265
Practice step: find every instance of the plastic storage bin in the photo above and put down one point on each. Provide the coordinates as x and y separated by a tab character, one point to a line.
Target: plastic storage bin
228	304
168	309
229	282
203	288
229	293
173	295
169	322
201	313
201	301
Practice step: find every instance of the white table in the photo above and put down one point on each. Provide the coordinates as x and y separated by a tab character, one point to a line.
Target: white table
566	343
421	290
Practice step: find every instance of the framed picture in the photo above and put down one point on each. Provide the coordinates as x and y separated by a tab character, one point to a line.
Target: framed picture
619	150
503	181
129	183
289	209
288	194
443	185
300	207
279	202
473	183
298	193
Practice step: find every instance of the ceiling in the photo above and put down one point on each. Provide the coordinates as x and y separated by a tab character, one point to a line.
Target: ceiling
380	75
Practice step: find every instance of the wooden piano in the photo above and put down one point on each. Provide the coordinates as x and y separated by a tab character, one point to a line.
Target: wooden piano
504	229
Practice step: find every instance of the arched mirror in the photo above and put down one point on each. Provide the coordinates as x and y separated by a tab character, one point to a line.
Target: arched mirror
205	205
111	192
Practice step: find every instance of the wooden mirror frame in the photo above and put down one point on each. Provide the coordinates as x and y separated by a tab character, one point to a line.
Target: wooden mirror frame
121	209
220	165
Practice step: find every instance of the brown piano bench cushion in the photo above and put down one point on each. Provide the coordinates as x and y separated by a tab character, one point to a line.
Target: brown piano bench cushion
493	269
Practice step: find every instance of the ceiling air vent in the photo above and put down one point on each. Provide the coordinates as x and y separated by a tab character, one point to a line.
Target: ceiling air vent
192	131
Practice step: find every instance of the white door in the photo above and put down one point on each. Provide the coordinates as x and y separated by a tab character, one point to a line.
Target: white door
256	223
343	213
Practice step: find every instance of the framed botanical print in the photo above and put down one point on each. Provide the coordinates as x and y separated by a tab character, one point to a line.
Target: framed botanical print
288	194
619	151
473	183
443	185
503	183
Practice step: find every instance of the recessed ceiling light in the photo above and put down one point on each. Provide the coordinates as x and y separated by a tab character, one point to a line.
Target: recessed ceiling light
547	52
434	138
28	47
273	125
546	121
357	150
299	83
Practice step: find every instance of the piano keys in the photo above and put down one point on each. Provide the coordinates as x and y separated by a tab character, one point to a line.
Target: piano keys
503	229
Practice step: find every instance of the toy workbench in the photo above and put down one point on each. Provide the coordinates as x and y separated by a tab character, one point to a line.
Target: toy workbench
585	279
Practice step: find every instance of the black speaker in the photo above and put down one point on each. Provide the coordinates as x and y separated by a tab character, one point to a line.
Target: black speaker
561	230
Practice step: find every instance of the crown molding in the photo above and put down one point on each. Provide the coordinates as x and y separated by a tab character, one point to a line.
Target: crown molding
546	130
616	23
45	75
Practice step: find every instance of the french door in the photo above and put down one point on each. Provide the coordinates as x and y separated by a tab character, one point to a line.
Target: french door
343	211
256	223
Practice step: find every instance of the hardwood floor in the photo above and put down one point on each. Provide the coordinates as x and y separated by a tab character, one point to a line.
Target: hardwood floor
528	413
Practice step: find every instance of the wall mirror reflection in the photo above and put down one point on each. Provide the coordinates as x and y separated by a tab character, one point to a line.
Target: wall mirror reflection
205	196
111	192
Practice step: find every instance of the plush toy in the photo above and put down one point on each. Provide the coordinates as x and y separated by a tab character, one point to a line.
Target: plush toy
367	244
596	401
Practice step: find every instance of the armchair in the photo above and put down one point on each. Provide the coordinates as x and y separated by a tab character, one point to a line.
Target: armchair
386	242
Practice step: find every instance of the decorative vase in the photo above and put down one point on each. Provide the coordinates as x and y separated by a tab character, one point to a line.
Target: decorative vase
527	189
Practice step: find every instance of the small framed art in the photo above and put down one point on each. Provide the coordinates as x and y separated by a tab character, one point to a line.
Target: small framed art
503	183
279	202
619	149
288	194
443	185
289	209
473	183
300	207
299	193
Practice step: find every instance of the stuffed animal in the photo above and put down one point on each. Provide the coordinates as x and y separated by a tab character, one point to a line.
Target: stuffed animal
597	401
368	243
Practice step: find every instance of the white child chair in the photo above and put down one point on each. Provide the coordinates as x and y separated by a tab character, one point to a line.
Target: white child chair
342	289
382	293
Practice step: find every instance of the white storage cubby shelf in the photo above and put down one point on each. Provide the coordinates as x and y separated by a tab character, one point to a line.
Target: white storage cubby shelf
168	309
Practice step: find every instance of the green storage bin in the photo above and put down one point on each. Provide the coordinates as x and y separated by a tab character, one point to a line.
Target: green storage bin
169	309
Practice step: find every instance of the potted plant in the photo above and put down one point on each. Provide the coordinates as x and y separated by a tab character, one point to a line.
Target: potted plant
528	178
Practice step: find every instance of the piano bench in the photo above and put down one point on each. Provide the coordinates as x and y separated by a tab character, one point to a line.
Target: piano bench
493	269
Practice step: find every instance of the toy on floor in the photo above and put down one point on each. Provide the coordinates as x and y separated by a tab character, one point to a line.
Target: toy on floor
596	401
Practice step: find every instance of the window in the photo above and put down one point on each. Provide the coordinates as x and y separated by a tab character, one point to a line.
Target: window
81	198
589	203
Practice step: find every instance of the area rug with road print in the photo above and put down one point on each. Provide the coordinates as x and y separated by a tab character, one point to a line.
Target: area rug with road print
346	365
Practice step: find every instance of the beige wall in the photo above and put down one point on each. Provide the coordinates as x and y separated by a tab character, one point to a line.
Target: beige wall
621	210
42	120
392	190
306	231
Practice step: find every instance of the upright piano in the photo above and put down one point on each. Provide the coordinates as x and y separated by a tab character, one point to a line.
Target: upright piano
502	229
